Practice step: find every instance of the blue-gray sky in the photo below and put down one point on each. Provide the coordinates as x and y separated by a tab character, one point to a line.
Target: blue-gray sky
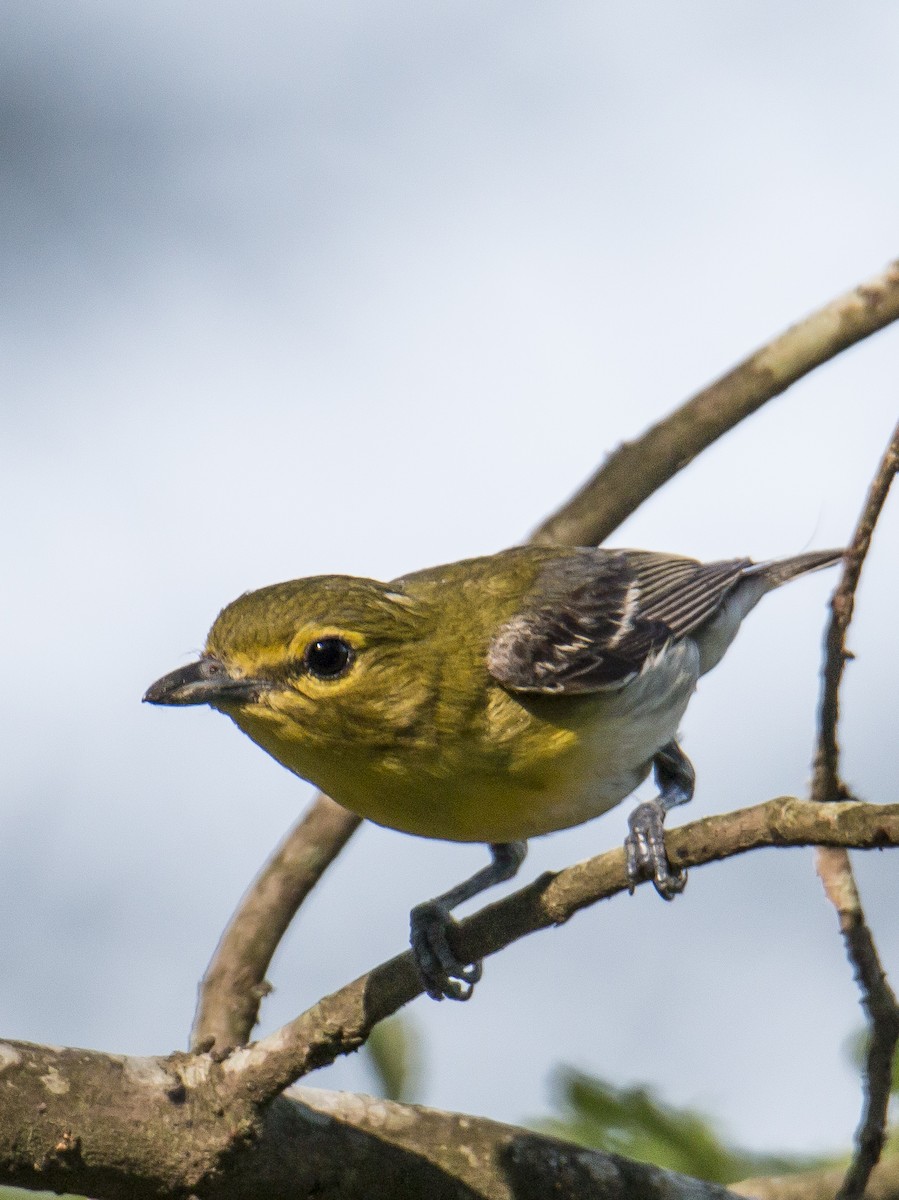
302	288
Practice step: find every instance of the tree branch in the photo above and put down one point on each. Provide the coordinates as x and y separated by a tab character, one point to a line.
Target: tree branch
833	864
633	472
234	984
110	1126
826	784
120	1128
880	1005
340	1023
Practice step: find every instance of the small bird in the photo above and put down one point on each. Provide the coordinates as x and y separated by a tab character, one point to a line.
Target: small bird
489	700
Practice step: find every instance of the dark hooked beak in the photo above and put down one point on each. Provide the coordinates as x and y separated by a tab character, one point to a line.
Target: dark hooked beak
206	681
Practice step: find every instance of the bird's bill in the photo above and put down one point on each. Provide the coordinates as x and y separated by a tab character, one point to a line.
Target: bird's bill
206	681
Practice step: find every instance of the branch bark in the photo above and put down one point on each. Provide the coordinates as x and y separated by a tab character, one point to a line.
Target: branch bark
120	1128
134	1129
340	1023
637	469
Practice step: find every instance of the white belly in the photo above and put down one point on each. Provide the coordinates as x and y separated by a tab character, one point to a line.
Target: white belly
635	722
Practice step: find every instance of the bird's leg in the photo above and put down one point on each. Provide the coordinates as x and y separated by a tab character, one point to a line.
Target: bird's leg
645	844
442	973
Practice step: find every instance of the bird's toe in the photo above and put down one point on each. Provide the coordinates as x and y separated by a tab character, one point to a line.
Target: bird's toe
443	973
645	851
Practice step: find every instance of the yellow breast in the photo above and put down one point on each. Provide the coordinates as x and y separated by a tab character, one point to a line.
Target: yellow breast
522	769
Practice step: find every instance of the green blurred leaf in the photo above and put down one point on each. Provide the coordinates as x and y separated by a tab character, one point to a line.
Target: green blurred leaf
636	1123
394	1051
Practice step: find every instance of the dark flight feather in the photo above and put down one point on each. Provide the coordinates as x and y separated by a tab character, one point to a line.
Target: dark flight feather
595	618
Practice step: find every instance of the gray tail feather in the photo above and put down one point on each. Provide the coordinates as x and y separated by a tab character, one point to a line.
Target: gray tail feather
784	569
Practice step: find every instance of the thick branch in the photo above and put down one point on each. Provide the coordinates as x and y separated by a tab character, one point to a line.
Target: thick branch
233	985
485	1158
134	1129
833	865
638	469
121	1128
340	1023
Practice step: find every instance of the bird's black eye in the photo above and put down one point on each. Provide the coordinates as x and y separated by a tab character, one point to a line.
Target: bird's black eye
328	657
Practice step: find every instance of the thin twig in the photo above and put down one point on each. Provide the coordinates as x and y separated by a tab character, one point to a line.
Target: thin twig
883	1017
340	1023
826	784
833	864
638	469
234	984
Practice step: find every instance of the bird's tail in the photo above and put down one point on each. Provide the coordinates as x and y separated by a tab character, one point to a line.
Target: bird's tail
784	569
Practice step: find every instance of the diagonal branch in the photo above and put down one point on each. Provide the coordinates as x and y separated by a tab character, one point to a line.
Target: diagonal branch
234	984
833	864
633	472
340	1023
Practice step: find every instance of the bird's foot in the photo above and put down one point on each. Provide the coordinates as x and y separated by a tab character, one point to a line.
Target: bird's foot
442	972
645	850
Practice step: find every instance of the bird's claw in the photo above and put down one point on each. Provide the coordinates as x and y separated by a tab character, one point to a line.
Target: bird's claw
443	974
645	850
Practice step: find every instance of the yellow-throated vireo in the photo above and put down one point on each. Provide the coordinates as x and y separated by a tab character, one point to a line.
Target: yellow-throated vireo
484	701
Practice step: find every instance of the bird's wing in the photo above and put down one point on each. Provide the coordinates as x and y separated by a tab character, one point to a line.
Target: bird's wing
594	619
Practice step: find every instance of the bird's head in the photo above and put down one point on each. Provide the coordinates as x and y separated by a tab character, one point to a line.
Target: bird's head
312	670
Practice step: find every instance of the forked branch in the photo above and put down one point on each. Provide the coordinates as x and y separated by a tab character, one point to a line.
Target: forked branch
340	1023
